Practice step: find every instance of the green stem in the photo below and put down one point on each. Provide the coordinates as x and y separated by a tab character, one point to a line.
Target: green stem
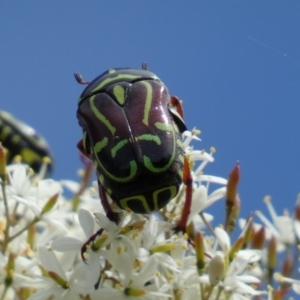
210	229
24	229
6	231
219	293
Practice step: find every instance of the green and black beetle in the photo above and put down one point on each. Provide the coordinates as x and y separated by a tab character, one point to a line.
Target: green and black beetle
132	132
20	139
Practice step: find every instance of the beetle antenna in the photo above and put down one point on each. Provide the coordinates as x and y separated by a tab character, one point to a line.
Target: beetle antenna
79	78
144	66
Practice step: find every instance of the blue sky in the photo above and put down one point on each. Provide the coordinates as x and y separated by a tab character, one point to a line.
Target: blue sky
236	65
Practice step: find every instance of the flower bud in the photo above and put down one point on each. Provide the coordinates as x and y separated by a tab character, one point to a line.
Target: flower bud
216	269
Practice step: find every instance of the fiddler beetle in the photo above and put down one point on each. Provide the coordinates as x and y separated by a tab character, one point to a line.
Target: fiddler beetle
21	139
132	132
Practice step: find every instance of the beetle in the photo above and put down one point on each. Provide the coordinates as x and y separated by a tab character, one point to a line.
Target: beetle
20	139
132	132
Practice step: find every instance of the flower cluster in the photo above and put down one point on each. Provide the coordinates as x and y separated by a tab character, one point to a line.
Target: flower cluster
58	248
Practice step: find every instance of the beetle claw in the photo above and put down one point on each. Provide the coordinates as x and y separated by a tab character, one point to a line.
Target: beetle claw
83	251
87	243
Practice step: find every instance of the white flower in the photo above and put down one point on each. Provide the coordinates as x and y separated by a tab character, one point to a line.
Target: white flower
282	227
141	257
116	237
132	284
233	278
25	190
22	276
63	283
185	281
153	244
74	245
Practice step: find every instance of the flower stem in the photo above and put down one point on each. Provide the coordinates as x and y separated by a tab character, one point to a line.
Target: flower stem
6	231
35	220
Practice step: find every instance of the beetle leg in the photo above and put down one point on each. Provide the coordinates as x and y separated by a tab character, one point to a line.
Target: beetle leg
175	101
79	79
90	240
188	181
110	214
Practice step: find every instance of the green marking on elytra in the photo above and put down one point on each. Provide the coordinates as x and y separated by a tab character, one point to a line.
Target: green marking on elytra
100	145
29	156
117	147
163	126
172	189
180	173
5	132
16	138
148	102
101	117
112	79
148	164
110	71
149	137
133	170
119	93
109	192
101	179
124	202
